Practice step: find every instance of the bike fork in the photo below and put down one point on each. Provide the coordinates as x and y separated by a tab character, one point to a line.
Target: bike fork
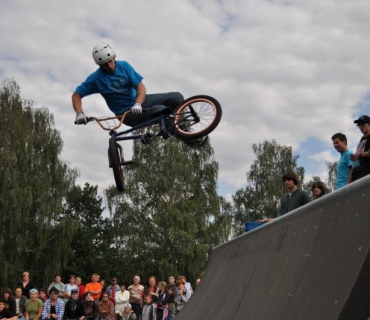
122	162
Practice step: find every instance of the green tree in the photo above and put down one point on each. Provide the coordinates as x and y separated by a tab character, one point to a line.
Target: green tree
170	216
262	194
330	181
332	175
92	243
34	181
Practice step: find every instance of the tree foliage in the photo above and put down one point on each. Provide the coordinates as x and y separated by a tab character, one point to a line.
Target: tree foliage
262	194
169	217
34	181
166	222
332	175
91	247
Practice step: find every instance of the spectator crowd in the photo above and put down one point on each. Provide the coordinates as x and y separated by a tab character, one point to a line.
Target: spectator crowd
95	300
351	167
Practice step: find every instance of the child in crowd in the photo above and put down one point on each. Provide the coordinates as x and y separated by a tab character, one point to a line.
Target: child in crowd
128	314
148	309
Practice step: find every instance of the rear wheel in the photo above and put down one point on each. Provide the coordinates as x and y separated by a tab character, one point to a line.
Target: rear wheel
115	163
197	117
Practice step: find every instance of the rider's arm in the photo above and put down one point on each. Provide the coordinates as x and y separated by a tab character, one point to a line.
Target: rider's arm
77	102
141	92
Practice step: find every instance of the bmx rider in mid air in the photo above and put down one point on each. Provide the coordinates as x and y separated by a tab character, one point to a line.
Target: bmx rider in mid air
123	89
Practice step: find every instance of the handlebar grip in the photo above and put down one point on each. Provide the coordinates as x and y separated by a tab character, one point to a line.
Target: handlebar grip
89	119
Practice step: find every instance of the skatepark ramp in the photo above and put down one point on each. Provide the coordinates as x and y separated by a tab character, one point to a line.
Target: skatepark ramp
311	264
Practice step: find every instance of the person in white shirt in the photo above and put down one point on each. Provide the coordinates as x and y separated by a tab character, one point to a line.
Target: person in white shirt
121	298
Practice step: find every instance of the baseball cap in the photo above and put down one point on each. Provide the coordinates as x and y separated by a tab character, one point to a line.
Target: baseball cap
363	119
128	305
54	290
74	291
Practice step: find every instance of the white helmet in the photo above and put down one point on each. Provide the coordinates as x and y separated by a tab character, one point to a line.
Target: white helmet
103	53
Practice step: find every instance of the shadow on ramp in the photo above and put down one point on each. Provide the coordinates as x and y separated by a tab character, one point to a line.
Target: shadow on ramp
310	264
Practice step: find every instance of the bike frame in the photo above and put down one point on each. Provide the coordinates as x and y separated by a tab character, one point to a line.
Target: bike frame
178	123
165	131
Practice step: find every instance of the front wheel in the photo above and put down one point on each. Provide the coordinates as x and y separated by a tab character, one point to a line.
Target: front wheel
197	117
115	163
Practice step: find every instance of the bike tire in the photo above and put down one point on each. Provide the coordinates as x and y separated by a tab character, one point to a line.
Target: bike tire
207	109
115	161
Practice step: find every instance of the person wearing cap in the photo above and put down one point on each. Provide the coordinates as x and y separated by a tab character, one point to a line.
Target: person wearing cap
112	289
361	159
293	199
128	313
6	314
74	307
69	287
53	307
34	306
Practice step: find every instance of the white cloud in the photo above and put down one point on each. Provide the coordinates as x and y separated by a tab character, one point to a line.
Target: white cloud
324	156
281	69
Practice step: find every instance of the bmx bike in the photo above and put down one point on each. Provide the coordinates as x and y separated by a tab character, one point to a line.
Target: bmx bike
195	118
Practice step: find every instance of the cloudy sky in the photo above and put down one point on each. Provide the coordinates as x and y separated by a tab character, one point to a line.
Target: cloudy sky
296	71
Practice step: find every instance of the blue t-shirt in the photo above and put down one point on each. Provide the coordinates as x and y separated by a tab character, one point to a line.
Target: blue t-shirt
117	88
344	165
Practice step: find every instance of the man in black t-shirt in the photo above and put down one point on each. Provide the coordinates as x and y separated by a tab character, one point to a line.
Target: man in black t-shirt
74	308
361	159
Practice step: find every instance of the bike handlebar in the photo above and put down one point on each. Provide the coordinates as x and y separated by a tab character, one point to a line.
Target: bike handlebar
100	120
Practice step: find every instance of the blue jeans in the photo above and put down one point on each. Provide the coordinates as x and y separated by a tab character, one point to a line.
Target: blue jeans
153	105
163	100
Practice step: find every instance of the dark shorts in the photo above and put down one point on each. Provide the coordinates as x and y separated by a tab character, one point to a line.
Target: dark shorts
360	172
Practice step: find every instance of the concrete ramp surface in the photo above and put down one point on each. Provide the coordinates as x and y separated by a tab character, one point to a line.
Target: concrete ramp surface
310	264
